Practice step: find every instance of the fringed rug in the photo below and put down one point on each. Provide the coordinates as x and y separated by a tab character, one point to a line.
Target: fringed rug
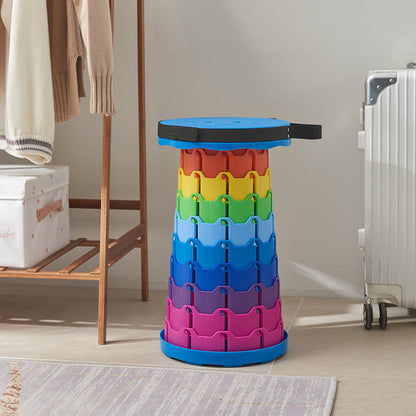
32	388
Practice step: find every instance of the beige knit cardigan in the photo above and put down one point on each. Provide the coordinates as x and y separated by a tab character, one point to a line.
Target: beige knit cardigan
80	29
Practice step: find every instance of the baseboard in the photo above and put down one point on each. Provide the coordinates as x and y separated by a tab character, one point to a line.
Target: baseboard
158	286
352	293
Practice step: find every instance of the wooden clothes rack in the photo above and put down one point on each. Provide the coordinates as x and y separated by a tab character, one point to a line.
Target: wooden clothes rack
110	251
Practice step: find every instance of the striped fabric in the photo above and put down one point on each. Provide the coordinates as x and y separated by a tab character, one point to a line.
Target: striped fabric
41	388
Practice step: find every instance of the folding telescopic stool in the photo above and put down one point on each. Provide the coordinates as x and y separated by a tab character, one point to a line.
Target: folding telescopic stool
224	304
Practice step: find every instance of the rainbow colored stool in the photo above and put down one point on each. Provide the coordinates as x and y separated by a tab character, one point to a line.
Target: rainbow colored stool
223	306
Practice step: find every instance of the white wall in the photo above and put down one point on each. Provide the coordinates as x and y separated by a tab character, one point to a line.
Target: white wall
299	60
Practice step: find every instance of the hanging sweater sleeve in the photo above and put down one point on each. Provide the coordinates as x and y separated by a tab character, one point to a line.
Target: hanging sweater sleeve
95	23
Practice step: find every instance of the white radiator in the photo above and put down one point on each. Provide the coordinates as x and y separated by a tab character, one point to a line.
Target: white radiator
389	143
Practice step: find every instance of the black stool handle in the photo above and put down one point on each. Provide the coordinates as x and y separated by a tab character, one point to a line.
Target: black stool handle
264	134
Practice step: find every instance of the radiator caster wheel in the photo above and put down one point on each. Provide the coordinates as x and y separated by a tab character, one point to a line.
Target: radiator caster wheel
383	315
367	315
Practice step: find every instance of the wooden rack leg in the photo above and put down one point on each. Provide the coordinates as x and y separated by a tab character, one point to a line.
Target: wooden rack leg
104	231
142	147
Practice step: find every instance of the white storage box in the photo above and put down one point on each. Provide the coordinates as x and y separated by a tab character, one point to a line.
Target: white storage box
34	217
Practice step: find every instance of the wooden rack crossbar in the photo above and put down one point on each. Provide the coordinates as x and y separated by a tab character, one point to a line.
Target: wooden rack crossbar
109	250
96	204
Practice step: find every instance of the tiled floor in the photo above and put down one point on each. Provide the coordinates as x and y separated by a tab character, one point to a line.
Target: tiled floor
376	370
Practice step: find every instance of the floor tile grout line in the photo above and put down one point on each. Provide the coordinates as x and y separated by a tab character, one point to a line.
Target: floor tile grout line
288	328
270	369
294	315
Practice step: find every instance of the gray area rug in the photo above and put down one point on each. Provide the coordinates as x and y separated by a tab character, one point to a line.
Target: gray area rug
33	388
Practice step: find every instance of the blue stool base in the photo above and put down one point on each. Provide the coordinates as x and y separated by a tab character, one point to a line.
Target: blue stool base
223	359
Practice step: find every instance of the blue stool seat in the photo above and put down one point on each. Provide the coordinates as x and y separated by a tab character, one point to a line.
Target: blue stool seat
255	126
